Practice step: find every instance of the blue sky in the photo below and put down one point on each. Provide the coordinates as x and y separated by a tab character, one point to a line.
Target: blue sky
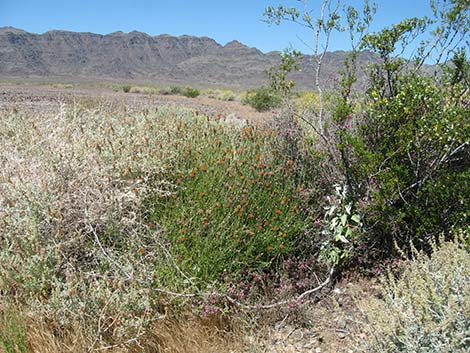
218	19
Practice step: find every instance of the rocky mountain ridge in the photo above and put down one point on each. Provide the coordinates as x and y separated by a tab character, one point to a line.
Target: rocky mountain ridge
139	57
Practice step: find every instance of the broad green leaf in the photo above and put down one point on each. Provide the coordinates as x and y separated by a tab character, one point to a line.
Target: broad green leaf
356	218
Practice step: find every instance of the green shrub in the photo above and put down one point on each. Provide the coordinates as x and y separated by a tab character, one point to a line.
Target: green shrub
187	91
400	150
411	159
262	99
126	88
405	160
190	92
425	309
236	206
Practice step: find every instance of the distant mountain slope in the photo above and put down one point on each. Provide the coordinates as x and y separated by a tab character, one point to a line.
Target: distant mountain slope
140	57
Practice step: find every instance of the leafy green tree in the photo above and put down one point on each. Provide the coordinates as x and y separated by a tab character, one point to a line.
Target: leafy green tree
327	21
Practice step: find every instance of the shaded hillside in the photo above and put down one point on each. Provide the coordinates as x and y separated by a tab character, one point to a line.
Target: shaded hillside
140	57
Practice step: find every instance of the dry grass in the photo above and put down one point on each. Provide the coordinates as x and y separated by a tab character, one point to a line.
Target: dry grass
183	335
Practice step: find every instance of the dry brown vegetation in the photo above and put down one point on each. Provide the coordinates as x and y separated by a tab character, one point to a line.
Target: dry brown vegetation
183	335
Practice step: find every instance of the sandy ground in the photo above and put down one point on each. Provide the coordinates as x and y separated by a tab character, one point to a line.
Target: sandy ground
43	97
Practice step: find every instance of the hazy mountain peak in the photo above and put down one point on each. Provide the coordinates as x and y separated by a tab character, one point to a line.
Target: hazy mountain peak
138	33
235	44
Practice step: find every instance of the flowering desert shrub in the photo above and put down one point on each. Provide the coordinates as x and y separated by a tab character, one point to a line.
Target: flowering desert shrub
235	200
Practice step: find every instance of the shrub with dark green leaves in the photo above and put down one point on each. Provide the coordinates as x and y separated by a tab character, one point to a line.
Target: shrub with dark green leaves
411	161
399	146
407	164
262	99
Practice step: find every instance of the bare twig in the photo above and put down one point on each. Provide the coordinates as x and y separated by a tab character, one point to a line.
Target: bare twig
132	340
284	302
109	258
